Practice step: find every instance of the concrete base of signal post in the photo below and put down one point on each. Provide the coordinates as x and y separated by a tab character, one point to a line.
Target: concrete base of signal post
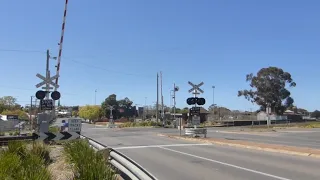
111	124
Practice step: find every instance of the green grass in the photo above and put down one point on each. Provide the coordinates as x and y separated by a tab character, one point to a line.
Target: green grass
23	163
54	129
311	125
89	165
140	124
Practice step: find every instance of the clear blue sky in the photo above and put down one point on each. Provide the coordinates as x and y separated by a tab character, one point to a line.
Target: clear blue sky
117	46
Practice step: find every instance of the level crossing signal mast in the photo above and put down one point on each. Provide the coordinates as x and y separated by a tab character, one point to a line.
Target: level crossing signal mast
43	95
195	111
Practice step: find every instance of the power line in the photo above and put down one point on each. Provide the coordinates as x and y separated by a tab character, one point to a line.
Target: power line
101	68
26	89
23	51
77	62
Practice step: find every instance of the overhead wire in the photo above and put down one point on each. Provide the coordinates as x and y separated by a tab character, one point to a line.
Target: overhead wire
79	62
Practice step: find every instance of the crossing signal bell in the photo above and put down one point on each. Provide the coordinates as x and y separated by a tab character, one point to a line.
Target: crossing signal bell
196	100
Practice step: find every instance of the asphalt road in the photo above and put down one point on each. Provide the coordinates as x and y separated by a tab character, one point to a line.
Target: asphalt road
177	159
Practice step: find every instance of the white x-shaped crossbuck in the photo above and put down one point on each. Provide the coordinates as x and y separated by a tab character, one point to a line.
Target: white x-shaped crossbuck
49	80
195	87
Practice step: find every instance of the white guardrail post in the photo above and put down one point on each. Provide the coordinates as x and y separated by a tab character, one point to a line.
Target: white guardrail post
124	164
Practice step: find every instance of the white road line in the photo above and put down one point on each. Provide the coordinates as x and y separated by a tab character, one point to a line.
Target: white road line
158	146
226	164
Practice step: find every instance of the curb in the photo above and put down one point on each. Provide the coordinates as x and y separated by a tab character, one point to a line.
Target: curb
275	150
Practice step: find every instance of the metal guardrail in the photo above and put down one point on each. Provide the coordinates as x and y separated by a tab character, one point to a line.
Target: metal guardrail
196	131
121	162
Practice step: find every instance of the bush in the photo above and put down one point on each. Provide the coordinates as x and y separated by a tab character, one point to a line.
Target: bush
139	124
89	165
54	129
18	162
2	133
312	125
42	151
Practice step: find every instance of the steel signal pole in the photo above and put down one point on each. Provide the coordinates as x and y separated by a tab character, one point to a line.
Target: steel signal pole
174	101
157	105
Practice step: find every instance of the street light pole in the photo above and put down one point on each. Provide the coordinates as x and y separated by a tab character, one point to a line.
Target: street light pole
95	97
213	99
145	106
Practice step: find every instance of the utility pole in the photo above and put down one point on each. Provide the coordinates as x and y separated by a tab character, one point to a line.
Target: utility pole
145	107
157	105
162	113
213	99
30	113
95	97
47	75
174	101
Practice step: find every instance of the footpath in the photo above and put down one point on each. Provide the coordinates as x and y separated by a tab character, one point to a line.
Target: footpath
292	150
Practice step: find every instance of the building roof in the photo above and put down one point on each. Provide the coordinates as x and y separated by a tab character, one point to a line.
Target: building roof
203	111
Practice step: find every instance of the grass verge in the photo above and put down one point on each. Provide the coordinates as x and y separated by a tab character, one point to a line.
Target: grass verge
24	162
311	125
139	124
88	164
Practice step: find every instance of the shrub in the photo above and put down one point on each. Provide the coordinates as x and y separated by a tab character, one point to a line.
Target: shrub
89	165
17	162
54	129
41	150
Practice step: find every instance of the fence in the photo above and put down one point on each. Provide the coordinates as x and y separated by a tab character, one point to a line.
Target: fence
230	116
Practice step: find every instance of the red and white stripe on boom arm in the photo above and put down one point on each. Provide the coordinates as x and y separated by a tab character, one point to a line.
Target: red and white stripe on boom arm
61	41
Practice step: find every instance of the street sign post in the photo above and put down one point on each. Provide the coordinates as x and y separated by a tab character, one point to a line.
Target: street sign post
74	125
46	104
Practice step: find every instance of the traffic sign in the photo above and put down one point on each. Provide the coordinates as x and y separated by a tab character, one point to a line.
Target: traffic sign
12	117
195	87
195	111
46	104
48	136
74	125
48	80
196	120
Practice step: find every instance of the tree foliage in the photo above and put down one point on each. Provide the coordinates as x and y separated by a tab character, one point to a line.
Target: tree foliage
219	110
315	114
21	114
8	100
121	108
269	87
90	112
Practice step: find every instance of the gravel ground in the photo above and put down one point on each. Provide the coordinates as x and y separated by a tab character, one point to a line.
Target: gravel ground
59	168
